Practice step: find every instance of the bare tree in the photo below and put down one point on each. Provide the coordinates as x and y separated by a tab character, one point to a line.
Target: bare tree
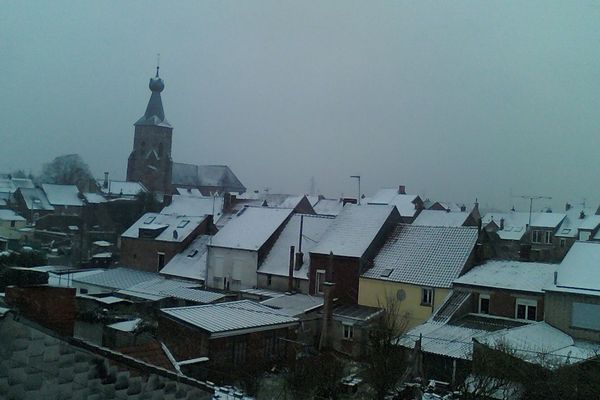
386	361
69	169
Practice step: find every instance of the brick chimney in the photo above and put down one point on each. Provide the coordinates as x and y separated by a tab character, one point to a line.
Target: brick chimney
401	189
291	271
328	295
105	184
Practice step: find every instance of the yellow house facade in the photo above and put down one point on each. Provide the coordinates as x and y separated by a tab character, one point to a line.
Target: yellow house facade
409	297
415	268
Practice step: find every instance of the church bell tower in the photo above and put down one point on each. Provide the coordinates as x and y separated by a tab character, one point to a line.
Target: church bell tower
150	160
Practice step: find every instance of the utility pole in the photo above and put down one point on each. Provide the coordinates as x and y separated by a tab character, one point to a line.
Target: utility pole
357	177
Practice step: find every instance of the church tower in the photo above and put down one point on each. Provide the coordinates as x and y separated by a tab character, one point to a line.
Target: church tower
150	160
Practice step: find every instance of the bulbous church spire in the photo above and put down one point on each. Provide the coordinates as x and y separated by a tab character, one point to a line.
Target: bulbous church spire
155	114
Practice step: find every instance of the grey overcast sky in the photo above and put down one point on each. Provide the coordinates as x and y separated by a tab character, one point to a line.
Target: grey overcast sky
456	100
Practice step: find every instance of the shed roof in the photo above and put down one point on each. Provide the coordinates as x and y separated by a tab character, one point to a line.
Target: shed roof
295	304
251	228
424	255
227	319
510	275
10	215
354	230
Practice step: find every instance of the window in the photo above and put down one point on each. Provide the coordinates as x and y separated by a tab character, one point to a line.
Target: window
183	223
320	280
348	331
149	220
562	243
269	280
161	260
12	224
536	236
526	309
236	284
386	272
585	316
548	237
484	304
426	296
193	253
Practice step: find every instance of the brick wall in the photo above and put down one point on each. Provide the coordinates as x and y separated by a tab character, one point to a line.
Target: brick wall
52	307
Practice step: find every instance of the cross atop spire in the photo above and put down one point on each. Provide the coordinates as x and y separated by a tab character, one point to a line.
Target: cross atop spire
157	63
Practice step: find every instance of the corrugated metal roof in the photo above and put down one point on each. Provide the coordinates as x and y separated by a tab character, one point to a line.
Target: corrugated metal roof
197	295
424	255
221	319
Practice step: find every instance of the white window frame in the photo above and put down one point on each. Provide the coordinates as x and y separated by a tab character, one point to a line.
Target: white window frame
426	296
319	275
526	303
536	236
547	237
484	297
348	331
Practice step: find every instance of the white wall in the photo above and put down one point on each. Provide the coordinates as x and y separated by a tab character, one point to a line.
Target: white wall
237	266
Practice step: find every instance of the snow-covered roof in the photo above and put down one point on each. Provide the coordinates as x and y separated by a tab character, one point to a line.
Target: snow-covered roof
328	207
580	269
122	188
167	225
228	319
541	343
353	230
62	195
291	202
294	304
573	221
424	255
441	218
195	205
455	341
94	198
11	185
192	294
10	215
515	222
126	326
277	261
217	176
251	228
35	199
405	203
191	262
510	275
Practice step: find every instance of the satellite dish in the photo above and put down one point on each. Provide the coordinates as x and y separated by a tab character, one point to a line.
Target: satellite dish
400	294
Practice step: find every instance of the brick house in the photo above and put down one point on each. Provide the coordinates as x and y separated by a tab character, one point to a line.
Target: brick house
348	247
508	289
154	239
523	236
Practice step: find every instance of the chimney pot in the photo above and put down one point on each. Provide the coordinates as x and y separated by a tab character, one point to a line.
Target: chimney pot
501	223
402	189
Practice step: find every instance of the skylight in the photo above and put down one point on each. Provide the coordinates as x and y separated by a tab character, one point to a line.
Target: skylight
386	272
183	223
149	220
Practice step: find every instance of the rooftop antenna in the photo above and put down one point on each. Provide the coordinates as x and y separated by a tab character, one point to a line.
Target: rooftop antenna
531	199
157	63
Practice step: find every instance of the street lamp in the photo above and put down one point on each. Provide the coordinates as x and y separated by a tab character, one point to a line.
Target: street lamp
357	177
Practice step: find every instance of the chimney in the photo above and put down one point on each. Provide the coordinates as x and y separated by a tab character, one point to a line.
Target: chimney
401	189
463	208
291	271
105	184
328	289
567	207
555	276
501	223
582	214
